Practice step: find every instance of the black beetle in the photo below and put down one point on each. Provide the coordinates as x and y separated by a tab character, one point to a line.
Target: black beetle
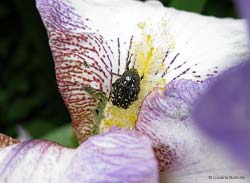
125	90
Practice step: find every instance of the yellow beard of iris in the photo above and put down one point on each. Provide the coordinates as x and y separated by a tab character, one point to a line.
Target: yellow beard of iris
148	61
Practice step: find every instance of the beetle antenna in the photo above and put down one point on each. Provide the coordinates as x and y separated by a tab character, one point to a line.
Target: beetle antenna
129	55
116	74
129	61
119	54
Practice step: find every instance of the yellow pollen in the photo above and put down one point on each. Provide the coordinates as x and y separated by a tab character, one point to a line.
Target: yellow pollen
148	61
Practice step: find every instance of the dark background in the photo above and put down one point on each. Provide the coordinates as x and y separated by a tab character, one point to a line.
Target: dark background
28	91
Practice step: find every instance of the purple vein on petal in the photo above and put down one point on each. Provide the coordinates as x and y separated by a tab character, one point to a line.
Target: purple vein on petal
60	14
12	157
43	151
82	59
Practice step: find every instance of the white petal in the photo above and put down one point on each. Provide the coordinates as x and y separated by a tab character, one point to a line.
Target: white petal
207	45
214	163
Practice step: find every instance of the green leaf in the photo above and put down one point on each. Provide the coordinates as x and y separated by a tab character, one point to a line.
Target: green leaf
189	5
39	127
63	135
21	107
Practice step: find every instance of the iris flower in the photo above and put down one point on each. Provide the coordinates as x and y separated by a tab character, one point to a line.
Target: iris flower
173	55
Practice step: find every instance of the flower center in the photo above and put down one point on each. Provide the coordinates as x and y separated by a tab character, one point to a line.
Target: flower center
149	62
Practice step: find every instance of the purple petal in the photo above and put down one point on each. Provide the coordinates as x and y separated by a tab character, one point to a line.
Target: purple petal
121	156
244	8
165	118
224	111
118	156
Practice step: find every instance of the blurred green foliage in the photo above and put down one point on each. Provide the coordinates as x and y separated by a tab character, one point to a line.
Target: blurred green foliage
63	135
28	91
190	5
